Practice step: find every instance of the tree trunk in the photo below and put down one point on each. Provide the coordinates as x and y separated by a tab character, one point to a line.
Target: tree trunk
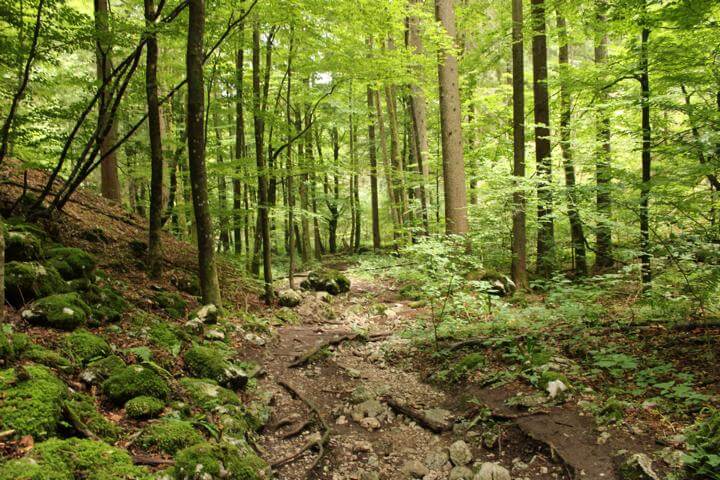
372	153
290	186
456	220
646	162
546	233
109	179
156	154
196	151
239	218
398	187
603	174
519	238
386	165
333	197
2	270
576	227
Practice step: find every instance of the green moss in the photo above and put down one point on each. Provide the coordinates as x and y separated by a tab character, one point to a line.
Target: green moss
26	281
107	305
212	363
31	401
85	346
12	346
207	394
169	435
216	461
551	376
144	407
327	280
45	356
22	246
134	381
467	364
73	459
72	263
257	415
172	303
165	336
64	311
84	408
100	370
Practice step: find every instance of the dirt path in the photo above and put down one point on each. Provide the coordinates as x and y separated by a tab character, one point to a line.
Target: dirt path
349	385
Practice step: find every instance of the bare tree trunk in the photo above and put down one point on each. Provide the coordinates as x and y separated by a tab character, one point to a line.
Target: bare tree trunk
2	270
239	218
356	190
155	256
456	220
372	153
333	197
304	201
386	166
109	180
576	227
398	186
196	150
290	186
519	240
646	162
546	227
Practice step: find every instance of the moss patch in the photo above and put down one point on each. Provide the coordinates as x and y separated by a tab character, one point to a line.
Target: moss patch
207	394
144	407
107	305
84	408
212	363
85	346
166	337
45	356
26	281
31	401
169	435
72	263
327	280
134	381
12	346
172	303
22	246
64	311
218	461
100	370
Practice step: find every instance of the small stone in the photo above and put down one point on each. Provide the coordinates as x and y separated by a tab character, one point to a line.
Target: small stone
638	467
492	471
289	298
368	408
207	314
216	335
255	339
461	473
435	460
414	469
195	326
603	438
438	415
342	420
362	446
370	423
460	453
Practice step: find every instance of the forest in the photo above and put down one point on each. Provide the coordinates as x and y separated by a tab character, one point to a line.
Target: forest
359	239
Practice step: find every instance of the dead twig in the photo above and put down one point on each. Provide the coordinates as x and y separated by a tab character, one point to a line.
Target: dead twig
151	461
309	354
419	417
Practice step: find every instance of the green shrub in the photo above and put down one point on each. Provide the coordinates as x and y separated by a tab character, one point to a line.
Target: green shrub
169	435
85	346
134	381
144	407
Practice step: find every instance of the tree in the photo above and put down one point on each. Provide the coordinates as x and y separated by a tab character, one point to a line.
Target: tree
645	257
207	270
456	220
239	219
519	239
546	228
372	154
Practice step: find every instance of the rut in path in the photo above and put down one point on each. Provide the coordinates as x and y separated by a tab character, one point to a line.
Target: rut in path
353	380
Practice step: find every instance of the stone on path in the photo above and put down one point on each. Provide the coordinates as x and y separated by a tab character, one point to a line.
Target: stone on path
638	467
414	469
460	453
492	471
437	459
461	473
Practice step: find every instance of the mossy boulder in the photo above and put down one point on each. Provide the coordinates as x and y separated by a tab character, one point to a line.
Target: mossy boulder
22	246
166	336
326	280
216	461
169	435
72	263
207	314
64	311
208	362
143	407
107	305
85	346
31	401
73	459
83	408
187	283
45	356
12	346
172	303
134	381
100	370
208	394
26	281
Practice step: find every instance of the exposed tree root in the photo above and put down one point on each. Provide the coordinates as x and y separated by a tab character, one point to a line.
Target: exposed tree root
297	430
151	461
420	418
309	354
77	422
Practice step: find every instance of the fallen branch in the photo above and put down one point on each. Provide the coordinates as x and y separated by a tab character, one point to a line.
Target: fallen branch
77	422
297	430
151	461
419	417
309	354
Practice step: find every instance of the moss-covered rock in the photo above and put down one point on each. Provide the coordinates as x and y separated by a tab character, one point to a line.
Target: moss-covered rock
169	435
73	459
134	381
188	283
172	303
207	362
215	461
166	336
83	407
107	305
22	246
45	356
100	370
12	346
327	280
144	407
208	394
72	263
64	311
31	401
26	281
85	346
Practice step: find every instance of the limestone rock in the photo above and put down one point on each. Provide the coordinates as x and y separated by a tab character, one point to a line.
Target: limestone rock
460	453
492	471
414	469
461	473
435	460
638	467
289	298
207	314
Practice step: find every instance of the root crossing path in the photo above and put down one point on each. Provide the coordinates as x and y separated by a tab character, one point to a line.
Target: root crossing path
348	407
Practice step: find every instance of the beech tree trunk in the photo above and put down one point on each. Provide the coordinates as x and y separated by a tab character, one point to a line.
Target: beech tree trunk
2	270
546	227
239	215
646	162
372	154
455	189
386	165
290	186
196	151
109	179
519	239
156	153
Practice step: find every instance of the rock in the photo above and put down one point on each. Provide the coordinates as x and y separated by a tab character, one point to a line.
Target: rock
107	305
215	335
169	435
212	363
99	370
368	408
134	381
323	297
327	280
492	471
341	420
195	326
22	246
255	339
172	303
437	459
556	388
207	394
71	263
84	347
289	298
27	281
414	469
361	394
460	453
362	446
370	423
207	314
638	467
218	461
439	415
63	311
143	407
461	473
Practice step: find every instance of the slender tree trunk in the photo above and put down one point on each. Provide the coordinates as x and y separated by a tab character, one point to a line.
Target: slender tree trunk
546	227
519	239
386	166
311	188
290	186
395	161
332	202
304	201
646	162
196	150
222	186
372	153
156	153
109	179
456	220
603	174
576	227
356	191
2	270
239	218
